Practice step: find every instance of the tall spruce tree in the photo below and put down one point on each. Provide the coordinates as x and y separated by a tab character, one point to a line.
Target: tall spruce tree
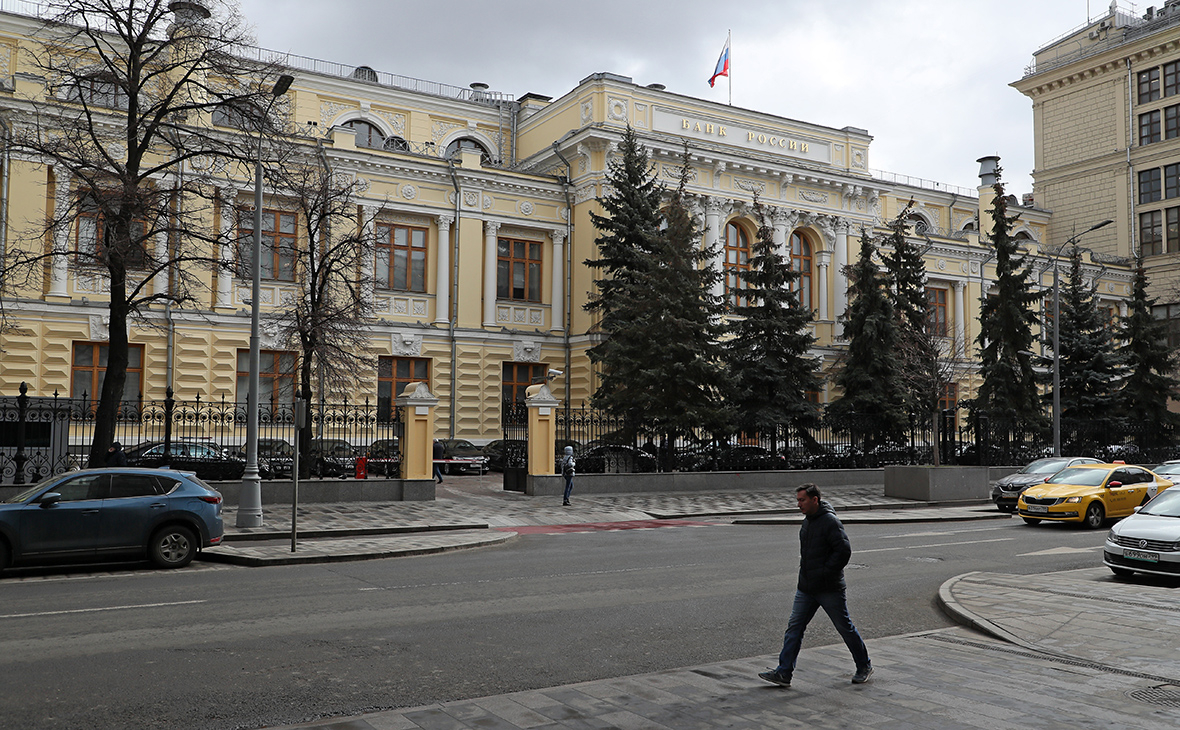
1008	394
660	361
1091	369
1149	383
872	405
907	272
769	370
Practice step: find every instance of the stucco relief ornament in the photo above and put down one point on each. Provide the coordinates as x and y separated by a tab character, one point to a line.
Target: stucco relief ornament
406	345
471	199
409	192
99	328
488	202
526	208
329	110
813	196
526	351
617	110
587	111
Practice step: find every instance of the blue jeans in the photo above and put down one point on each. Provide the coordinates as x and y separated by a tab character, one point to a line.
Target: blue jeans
569	487
835	604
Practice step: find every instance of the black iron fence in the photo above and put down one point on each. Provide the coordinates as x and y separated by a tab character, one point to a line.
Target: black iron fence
45	435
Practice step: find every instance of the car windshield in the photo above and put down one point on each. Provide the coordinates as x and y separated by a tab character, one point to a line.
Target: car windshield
1080	476
1167	468
1045	466
1165	504
25	495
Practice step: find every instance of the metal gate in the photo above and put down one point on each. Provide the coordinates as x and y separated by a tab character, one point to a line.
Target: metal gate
514	420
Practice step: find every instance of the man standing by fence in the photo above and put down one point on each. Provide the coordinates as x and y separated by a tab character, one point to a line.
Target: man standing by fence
824	550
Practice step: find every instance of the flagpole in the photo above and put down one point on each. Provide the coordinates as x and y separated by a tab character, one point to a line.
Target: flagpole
729	76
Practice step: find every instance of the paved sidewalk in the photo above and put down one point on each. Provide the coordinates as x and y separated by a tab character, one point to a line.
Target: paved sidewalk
468	505
1091	651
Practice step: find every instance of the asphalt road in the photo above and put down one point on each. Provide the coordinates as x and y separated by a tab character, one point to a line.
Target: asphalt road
228	647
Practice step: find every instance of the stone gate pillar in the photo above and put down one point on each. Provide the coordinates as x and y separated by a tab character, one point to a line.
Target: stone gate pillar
417	439
542	428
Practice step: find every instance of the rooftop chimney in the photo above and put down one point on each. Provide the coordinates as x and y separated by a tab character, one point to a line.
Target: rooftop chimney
987	169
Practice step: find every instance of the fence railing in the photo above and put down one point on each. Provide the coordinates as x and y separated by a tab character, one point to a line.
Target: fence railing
41	436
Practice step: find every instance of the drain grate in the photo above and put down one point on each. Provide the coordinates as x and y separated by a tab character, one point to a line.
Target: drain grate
924	560
1165	695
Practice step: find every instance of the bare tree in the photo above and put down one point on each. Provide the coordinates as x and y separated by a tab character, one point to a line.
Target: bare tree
124	125
328	320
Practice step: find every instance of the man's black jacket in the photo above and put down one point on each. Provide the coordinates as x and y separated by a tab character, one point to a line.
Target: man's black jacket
824	550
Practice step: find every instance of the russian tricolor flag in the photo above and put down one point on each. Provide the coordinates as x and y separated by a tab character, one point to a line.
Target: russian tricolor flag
722	65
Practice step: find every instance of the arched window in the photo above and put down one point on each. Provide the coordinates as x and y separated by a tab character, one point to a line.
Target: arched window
737	262
467	143
919	223
1022	236
367	135
801	262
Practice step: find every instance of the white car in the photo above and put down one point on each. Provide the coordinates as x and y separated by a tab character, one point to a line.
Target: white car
1147	541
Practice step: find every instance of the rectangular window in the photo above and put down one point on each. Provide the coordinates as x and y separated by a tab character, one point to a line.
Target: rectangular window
518	376
1149	127
1149	85
1150	187
401	258
276	377
1169	313
278	244
393	373
949	398
90	366
518	270
1172	78
1172	181
936	312
1151	226
1172	121
1172	229
94	238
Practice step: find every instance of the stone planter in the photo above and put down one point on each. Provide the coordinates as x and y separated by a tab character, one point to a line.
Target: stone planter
937	483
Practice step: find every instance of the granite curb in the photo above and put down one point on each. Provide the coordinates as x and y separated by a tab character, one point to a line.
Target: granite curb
342	550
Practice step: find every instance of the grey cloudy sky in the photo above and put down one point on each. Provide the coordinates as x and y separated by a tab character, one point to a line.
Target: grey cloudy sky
927	78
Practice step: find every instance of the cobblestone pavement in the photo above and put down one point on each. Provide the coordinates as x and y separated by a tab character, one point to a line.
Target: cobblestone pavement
948	679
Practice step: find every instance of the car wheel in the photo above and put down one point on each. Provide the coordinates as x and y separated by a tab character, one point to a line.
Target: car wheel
1122	572
174	546
1031	521
1095	516
1005	508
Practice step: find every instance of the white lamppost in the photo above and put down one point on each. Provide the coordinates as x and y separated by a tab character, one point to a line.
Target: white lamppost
1057	337
250	502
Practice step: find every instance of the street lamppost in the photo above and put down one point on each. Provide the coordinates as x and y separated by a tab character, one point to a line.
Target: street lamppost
1057	336
250	502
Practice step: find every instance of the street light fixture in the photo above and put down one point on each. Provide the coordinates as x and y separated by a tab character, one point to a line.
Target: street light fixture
1057	336
250	502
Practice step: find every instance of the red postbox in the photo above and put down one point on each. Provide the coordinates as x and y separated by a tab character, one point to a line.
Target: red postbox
362	467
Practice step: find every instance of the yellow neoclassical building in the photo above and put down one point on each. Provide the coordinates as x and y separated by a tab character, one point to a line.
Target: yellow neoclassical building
481	203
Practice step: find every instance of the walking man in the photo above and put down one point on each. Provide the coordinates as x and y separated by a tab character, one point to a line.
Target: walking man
568	468
438	455
824	550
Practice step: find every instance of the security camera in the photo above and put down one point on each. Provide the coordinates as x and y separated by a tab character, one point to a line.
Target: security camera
555	373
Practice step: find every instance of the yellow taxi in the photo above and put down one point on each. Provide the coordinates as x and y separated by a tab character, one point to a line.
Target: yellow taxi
1089	493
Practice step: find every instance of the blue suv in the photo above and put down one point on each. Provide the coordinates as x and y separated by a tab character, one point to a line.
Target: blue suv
99	514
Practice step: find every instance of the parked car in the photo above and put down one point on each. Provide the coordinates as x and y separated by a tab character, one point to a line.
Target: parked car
739	457
462	457
499	452
100	514
384	457
1147	541
1168	468
1007	489
276	457
331	458
615	459
204	458
1090	493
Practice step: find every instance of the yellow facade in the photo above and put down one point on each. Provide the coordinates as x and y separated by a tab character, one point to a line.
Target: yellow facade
532	172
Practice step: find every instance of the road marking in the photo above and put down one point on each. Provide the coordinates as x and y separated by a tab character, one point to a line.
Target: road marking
942	532
531	577
932	545
1062	551
103	608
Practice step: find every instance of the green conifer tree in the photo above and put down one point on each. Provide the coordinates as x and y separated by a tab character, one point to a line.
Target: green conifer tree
1008	394
872	404
770	372
1091	369
1149	383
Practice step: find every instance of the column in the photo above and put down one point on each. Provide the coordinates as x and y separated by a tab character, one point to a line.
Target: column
822	262
714	209
442	277
417	405
369	232
840	264
960	319
780	221
229	224
59	268
490	228
557	306
161	279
